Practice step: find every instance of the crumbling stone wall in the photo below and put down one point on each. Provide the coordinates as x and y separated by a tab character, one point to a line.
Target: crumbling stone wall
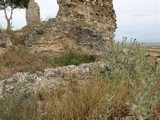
5	43
84	25
33	13
97	13
51	78
5	40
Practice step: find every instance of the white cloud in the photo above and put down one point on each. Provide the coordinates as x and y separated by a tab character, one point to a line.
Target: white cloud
137	10
138	18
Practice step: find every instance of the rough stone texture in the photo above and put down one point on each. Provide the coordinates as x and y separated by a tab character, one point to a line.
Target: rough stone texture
50	78
79	25
5	40
33	13
97	13
5	43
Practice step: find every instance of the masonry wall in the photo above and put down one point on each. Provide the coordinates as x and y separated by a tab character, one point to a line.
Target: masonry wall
80	25
33	14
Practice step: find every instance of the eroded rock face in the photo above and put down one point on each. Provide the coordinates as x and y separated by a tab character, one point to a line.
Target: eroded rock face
33	13
98	13
87	26
5	43
50	78
5	40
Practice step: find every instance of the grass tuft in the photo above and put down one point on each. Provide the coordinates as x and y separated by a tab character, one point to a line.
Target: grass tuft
130	89
71	58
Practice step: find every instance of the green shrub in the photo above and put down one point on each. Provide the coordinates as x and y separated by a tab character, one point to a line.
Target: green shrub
13	102
15	38
129	62
71	58
39	32
18	41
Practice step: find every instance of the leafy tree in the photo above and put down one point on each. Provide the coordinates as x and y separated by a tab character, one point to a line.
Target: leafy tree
8	6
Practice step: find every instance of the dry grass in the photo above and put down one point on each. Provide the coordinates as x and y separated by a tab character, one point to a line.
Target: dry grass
88	102
97	100
19	61
83	103
131	90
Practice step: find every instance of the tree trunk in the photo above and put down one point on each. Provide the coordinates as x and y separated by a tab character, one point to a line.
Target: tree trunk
9	25
8	18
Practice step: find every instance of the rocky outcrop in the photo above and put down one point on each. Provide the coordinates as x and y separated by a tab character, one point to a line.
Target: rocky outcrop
50	78
33	13
5	43
97	13
59	36
87	26
5	40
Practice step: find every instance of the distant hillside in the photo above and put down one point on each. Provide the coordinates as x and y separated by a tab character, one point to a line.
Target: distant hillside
152	42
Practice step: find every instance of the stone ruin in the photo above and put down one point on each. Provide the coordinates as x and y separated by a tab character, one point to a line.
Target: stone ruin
97	13
33	14
5	43
50	78
81	25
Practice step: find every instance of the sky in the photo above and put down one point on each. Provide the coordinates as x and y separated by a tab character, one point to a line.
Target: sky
138	19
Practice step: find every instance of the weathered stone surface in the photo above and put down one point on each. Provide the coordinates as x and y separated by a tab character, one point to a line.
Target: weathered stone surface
5	43
59	36
98	13
50	78
2	51
33	13
87	26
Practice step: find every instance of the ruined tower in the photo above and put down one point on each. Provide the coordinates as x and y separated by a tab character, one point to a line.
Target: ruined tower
97	13
33	13
81	25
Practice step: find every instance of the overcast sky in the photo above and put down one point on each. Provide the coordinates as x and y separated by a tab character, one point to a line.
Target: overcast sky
138	19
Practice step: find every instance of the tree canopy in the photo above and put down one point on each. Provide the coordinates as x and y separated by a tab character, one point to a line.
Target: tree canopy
20	3
13	4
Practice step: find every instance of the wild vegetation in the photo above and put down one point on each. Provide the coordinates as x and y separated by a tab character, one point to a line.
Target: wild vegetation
20	60
128	89
1	30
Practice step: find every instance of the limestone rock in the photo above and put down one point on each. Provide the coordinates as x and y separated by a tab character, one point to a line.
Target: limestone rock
33	13
59	36
2	51
50	78
87	26
5	43
98	13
